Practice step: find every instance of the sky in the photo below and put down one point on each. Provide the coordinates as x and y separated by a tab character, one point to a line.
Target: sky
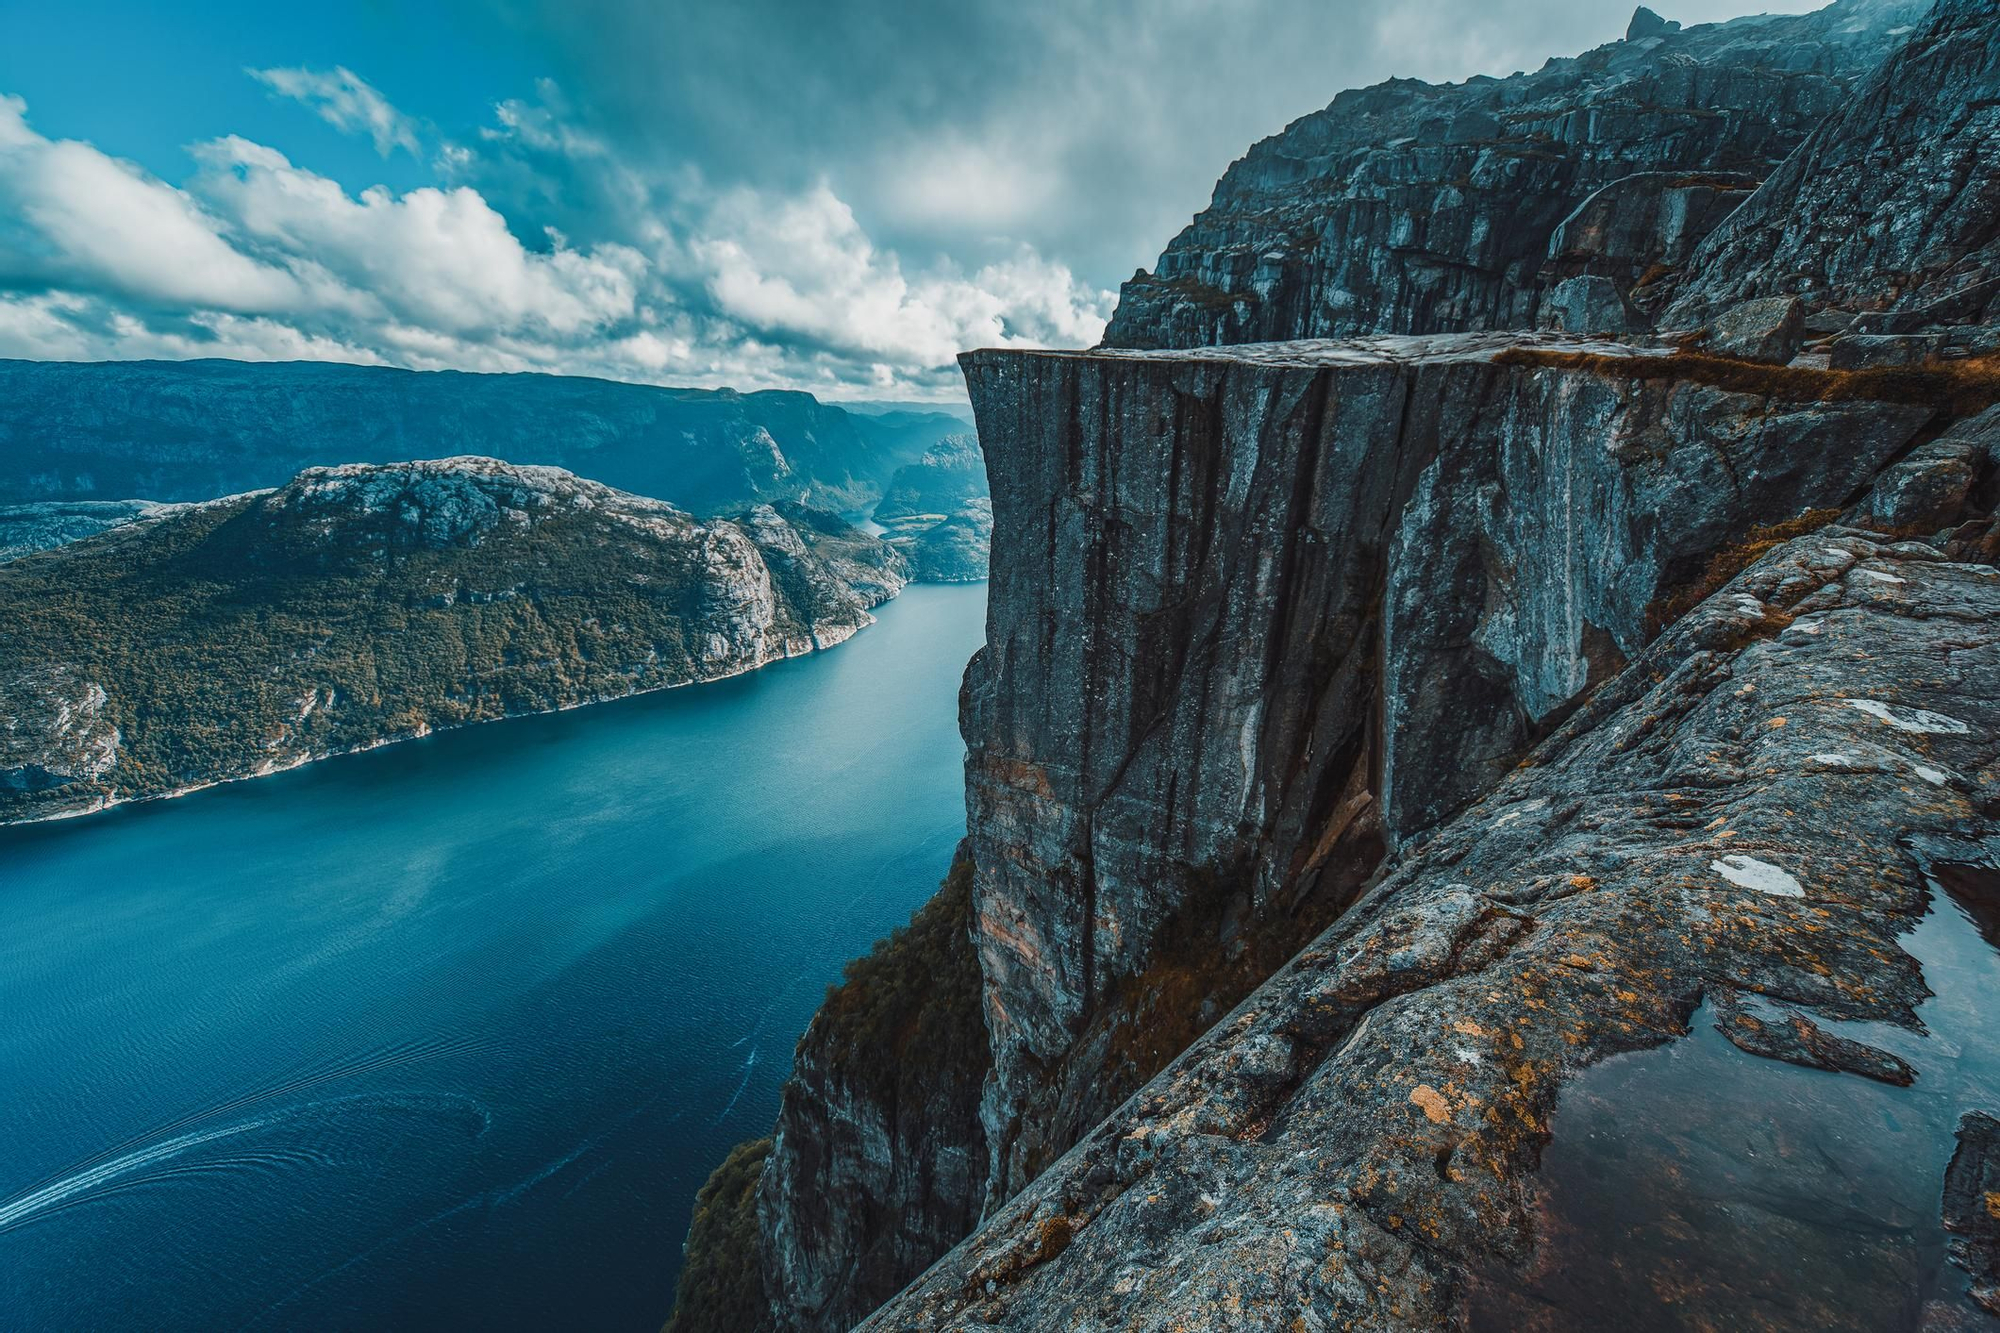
836	195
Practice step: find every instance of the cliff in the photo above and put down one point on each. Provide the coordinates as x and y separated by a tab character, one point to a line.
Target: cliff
1567	700
359	604
1332	593
1888	218
1414	208
1736	834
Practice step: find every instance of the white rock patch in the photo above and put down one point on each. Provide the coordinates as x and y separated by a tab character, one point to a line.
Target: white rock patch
1750	873
1879	576
1930	775
1836	760
1919	720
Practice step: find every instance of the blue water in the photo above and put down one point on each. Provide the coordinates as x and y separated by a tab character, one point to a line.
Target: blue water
450	1033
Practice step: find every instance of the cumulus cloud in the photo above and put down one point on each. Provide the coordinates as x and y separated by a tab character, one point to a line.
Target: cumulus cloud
760	193
255	256
71	215
347	102
802	268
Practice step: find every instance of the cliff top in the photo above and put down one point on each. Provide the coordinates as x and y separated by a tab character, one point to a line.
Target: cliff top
1382	349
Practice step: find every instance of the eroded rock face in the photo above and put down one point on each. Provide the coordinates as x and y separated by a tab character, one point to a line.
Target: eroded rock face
1747	808
54	731
879	1163
1410	208
1892	208
1328	595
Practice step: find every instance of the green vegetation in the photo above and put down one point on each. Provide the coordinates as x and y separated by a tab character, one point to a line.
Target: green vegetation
721	1284
266	630
908	1014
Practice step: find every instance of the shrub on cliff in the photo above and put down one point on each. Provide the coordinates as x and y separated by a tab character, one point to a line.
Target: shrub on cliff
916	991
721	1285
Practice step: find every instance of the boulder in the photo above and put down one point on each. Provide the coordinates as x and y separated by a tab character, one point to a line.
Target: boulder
1589	305
1873	351
1769	329
1929	489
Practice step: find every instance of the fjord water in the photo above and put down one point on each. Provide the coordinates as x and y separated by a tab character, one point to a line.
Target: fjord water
448	1034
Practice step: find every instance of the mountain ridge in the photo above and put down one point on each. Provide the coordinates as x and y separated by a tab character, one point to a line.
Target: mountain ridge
362	604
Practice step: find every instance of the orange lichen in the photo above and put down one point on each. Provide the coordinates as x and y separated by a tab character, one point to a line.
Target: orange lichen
1432	1103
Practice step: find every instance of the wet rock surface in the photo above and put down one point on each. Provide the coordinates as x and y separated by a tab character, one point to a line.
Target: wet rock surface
1413	208
1745	810
1972	1206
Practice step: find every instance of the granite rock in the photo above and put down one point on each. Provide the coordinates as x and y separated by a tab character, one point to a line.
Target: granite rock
1355	1146
1414	208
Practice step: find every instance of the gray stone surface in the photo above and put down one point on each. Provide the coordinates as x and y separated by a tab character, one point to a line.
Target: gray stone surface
1875	351
1235	593
1770	328
1590	304
1413	208
1357	1141
1892	207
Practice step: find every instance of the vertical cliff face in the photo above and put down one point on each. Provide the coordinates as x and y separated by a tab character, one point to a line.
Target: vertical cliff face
1412	208
1267	622
1258	613
879	1162
1731	849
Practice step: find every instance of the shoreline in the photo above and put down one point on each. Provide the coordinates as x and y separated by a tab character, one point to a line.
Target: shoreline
820	643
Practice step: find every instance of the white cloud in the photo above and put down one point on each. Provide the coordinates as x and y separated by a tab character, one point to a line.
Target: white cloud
259	258
802	266
73	215
347	102
441	258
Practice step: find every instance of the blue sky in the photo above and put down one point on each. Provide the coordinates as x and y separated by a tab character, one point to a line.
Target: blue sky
832	196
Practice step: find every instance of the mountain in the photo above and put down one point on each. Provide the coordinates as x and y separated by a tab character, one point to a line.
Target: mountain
1415	208
361	604
938	513
192	430
1900	210
869	407
1379	731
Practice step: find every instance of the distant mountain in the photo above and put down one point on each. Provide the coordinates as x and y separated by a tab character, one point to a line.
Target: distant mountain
362	604
939	514
193	430
874	407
